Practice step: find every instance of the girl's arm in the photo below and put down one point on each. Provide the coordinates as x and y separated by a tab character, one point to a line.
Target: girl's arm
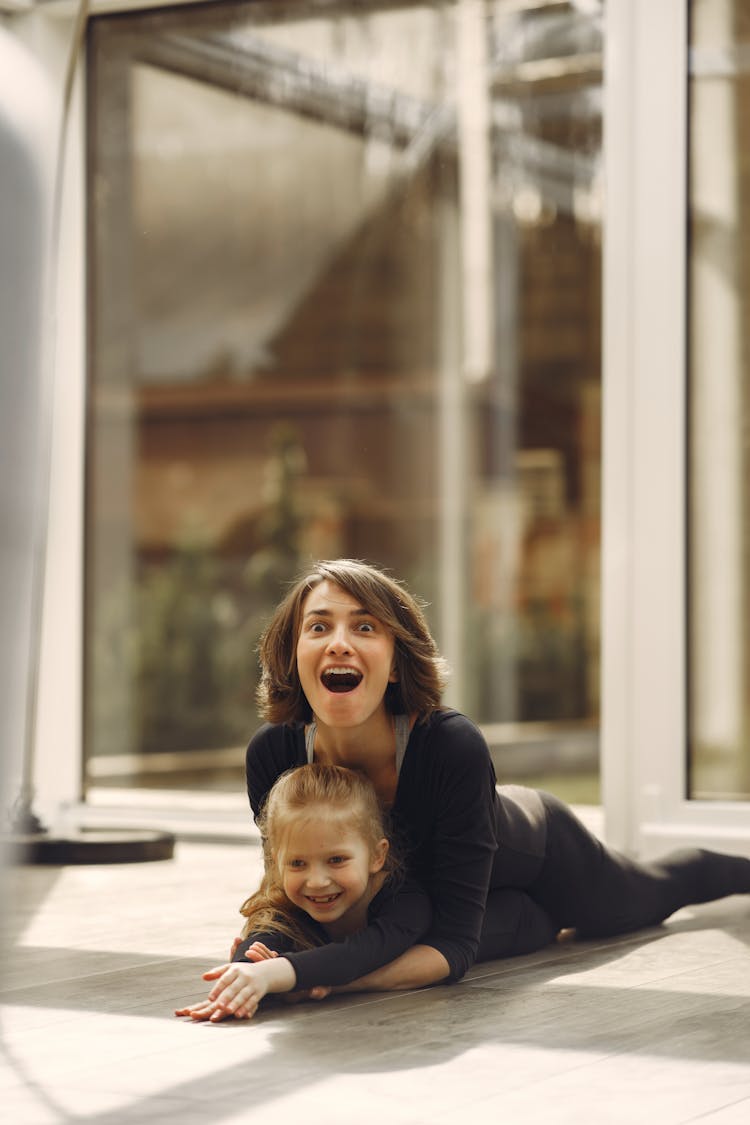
257	947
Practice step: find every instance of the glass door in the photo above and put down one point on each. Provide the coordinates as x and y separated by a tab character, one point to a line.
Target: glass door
344	299
719	401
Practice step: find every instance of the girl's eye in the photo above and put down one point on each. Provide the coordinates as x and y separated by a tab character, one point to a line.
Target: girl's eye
338	859
296	863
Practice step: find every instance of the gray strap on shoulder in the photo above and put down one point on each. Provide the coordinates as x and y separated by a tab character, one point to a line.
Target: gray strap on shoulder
310	741
401	729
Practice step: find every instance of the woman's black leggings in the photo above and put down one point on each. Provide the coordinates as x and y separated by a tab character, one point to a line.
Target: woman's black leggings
598	891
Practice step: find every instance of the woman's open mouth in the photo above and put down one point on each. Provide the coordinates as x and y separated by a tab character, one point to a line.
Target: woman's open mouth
341	679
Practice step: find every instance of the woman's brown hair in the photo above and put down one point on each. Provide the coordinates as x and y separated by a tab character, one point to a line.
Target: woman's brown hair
420	669
303	791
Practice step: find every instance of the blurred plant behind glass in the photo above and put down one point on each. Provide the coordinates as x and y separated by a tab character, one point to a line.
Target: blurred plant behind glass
191	642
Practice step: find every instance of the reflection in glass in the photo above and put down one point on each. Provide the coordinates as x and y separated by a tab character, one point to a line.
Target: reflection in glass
719	200
344	300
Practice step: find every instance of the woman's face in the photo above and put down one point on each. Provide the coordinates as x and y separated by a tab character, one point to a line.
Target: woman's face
345	658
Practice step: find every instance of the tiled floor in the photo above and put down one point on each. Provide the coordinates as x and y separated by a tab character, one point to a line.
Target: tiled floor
652	1028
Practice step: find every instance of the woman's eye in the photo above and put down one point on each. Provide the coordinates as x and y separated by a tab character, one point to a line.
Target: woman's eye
367	627
317	627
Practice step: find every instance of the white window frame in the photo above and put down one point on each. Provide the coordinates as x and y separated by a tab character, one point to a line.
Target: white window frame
644	558
644	424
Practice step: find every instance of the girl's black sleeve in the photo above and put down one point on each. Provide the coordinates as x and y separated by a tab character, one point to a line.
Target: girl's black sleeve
397	919
278	943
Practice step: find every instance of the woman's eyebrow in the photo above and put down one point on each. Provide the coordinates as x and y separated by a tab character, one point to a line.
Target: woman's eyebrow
329	613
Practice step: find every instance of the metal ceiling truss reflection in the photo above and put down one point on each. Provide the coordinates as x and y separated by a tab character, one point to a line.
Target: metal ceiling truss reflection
321	91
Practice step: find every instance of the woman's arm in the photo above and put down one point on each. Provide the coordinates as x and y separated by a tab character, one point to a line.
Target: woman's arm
447	803
419	967
272	751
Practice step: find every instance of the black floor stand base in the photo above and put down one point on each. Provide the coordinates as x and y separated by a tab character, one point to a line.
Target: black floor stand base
87	845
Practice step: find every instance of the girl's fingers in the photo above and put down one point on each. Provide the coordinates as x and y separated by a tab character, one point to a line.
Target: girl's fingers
230	993
190	1010
246	1011
260	952
201	1011
212	974
219	1014
227	984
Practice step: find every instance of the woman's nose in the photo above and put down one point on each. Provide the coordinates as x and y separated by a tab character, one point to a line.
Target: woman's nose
338	640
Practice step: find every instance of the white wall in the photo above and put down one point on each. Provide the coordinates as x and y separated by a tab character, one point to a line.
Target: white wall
57	438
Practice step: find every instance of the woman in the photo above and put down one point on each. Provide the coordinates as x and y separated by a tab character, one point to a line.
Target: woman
352	677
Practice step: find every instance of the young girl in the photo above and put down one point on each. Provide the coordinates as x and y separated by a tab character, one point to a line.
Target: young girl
351	676
332	904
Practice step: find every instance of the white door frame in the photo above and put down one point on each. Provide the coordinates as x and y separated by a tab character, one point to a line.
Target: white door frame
644	627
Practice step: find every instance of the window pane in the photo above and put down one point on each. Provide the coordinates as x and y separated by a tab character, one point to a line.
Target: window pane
344	300
536	504
719	371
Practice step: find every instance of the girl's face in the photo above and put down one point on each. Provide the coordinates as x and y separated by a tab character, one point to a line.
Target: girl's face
326	867
345	658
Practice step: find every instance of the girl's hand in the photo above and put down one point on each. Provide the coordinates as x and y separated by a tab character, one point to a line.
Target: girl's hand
239	989
259	952
205	1010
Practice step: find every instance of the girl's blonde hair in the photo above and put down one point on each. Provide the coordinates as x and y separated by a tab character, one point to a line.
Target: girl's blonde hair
421	670
297	793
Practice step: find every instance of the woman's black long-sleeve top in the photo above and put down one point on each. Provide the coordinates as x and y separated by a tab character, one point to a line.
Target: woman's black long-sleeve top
446	821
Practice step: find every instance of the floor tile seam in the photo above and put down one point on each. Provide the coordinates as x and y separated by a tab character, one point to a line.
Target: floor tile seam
6	993
702	969
719	1109
59	1089
73	1074
582	1065
510	965
506	966
175	999
537	1083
